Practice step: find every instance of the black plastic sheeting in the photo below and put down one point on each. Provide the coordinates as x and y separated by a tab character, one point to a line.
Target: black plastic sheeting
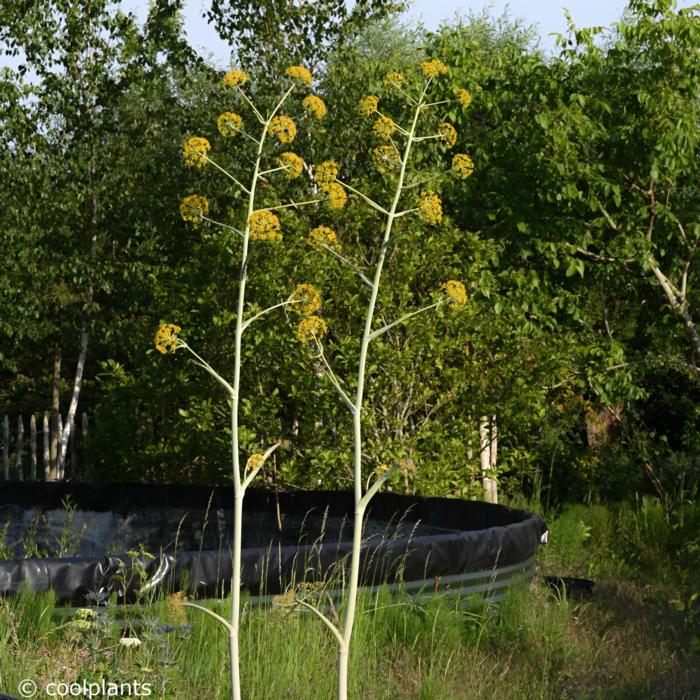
129	538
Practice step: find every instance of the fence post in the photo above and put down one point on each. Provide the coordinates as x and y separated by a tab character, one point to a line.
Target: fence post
47	449
18	449
6	448
32	446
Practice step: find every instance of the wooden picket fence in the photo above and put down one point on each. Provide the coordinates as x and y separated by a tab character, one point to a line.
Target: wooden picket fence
33	440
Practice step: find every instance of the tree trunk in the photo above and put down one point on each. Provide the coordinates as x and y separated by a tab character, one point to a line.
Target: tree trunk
680	305
55	408
485	442
77	382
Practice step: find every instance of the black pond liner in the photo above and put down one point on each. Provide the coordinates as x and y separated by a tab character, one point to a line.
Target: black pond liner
421	544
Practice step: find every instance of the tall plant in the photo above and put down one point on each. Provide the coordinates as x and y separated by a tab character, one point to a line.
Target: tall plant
415	102
258	224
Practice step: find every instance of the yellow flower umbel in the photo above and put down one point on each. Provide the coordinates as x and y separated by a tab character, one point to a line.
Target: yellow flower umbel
195	151
464	97
229	124
283	128
315	106
264	226
448	134
384	127
174	608
394	80
386	158
430	208
300	75
463	165
307	300
433	68
311	327
456	292
337	196
293	164
322	235
192	208
254	461
166	339
327	173
368	105
234	78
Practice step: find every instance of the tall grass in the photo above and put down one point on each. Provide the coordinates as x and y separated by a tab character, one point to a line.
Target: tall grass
638	637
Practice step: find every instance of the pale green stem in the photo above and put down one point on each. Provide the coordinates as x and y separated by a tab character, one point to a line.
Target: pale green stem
404	212
254	472
333	378
228	174
398	126
238	487
357	270
270	308
273	170
247	135
360	504
293	204
434	104
226	226
380	331
260	117
205	365
419	183
211	613
325	620
427	138
369	201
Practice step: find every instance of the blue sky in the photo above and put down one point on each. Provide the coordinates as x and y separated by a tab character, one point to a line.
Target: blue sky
546	15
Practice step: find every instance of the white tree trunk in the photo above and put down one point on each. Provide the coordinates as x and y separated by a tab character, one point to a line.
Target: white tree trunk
485	454
70	418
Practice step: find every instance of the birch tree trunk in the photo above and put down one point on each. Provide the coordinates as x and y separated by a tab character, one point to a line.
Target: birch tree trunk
485	455
77	382
55	409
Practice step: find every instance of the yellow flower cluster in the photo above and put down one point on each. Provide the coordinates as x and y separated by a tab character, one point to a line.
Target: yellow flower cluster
229	124
448	134
386	158
192	208
327	172
337	196
463	165
368	105
195	151
300	74
166	339
430	208
464	97
234	78
174	610
394	80
311	327
456	292
254	461
307	300
324	235
293	164
315	106
384	127
264	226
433	68
283	128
